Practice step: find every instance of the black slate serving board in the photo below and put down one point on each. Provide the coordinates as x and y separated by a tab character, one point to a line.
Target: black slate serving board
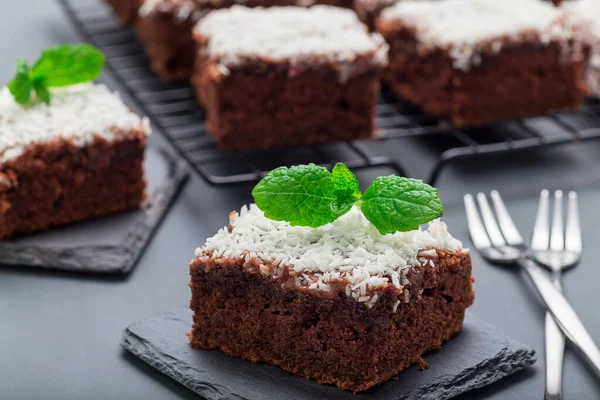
111	244
478	356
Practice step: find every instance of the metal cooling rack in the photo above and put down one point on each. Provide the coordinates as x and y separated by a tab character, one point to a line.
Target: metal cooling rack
172	107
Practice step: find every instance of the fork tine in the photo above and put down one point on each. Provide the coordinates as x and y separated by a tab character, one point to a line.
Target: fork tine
490	221
573	240
557	238
478	235
509	230
541	231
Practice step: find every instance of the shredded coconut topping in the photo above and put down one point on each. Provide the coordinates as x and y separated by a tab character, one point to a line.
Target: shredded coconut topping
194	10
461	25
77	113
584	12
350	250
293	34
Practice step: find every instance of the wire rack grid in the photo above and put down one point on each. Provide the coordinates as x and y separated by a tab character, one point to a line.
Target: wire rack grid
172	107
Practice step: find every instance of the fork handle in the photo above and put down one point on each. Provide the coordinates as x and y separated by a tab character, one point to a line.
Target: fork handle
555	349
563	313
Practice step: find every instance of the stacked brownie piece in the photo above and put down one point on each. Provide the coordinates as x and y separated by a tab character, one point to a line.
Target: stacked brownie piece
472	62
275	73
339	304
78	158
287	76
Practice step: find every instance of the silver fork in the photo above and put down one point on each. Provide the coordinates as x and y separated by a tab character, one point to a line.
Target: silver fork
500	243
551	249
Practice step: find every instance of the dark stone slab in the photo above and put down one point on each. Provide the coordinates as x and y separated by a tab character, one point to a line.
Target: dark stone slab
111	244
478	356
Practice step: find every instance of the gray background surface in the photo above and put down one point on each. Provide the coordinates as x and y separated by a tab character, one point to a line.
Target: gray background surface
60	333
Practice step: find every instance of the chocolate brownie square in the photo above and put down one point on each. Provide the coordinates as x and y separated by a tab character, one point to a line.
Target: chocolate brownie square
340	304
287	76
77	158
472	62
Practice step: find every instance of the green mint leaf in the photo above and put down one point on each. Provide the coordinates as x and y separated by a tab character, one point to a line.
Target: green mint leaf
20	86
41	91
345	183
395	204
309	195
301	195
68	65
58	66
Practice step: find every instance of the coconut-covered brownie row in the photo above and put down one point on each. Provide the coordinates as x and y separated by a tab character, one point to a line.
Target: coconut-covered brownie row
468	62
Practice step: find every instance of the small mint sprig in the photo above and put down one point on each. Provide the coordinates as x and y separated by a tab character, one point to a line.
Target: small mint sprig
310	195
58	66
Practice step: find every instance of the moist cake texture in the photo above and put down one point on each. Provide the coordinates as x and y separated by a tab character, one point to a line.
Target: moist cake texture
78	158
305	299
465	60
286	76
165	29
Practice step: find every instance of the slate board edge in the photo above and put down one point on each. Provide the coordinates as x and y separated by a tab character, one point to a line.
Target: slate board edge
107	259
483	374
471	379
132	343
162	199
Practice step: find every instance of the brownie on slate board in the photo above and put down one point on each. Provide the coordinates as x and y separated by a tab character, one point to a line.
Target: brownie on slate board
165	29
78	158
340	304
472	62
287	76
126	10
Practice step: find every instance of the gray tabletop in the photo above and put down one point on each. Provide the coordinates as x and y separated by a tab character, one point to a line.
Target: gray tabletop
59	333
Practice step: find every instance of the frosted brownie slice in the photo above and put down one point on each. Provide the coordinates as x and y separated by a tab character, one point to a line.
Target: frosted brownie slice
78	158
165	29
472	62
286	76
340	304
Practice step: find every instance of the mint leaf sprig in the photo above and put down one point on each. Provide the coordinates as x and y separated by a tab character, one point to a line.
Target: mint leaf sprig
310	195
58	66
